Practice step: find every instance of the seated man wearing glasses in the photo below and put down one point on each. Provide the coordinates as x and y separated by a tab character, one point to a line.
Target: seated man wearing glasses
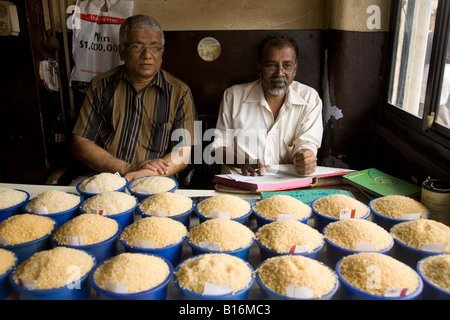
273	120
129	113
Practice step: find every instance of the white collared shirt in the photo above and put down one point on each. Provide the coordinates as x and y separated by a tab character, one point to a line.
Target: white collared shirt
245	119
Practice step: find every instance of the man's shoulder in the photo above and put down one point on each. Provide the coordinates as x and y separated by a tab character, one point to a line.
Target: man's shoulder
174	80
113	73
303	89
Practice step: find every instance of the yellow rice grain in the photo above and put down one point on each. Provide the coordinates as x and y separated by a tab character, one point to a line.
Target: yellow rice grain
437	270
172	204
275	205
25	228
332	205
7	260
394	206
231	204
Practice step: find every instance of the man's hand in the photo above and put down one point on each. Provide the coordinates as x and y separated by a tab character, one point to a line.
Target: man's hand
258	169
305	161
152	167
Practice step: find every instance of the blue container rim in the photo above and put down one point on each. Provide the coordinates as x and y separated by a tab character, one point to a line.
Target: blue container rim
207	218
283	297
56	214
115	214
193	245
16	262
170	246
130	295
143	214
417	251
381	216
88	194
130	185
426	280
94	245
202	296
270	220
20	204
411	295
365	216
53	290
317	249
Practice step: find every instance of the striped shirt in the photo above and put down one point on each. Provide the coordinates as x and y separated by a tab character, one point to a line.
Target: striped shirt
136	126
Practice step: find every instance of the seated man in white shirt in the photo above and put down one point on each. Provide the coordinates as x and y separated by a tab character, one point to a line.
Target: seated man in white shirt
273	120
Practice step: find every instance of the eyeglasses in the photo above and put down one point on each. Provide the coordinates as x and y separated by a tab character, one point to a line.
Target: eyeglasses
139	47
286	69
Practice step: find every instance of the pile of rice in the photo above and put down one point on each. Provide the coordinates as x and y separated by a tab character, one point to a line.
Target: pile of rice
153	185
437	270
10	197
54	268
216	269
348	233
375	273
103	182
111	202
332	205
166	204
138	272
160	230
394	206
25	228
281	235
92	227
417	233
279	272
54	201
231	204
273	206
231	235
7	260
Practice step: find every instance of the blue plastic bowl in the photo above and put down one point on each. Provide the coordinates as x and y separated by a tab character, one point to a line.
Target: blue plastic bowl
191	295
242	253
384	221
5	287
260	220
171	253
272	295
266	253
184	218
350	292
321	221
101	251
87	195
143	196
123	218
157	293
409	255
430	290
242	219
9	212
76	291
60	217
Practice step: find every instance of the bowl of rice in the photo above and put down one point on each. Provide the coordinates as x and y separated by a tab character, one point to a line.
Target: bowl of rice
160	236
390	210
417	239
223	206
116	205
101	182
435	273
166	204
58	205
293	277
214	276
350	236
8	261
337	207
132	276
221	235
288	237
147	186
90	232
25	234
55	274
11	202
377	276
279	207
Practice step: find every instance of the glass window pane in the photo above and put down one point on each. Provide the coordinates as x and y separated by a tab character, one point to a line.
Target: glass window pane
443	110
414	37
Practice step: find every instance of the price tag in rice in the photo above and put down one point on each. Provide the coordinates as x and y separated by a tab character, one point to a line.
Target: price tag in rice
395	292
3	241
365	246
410	216
219	214
143	191
93	189
282	216
298	248
101	212
158	213
347	214
40	210
28	284
210	289
143	243
433	247
299	292
75	240
211	246
118	287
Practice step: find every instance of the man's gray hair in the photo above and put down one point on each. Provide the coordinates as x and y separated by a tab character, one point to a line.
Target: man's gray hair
140	23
